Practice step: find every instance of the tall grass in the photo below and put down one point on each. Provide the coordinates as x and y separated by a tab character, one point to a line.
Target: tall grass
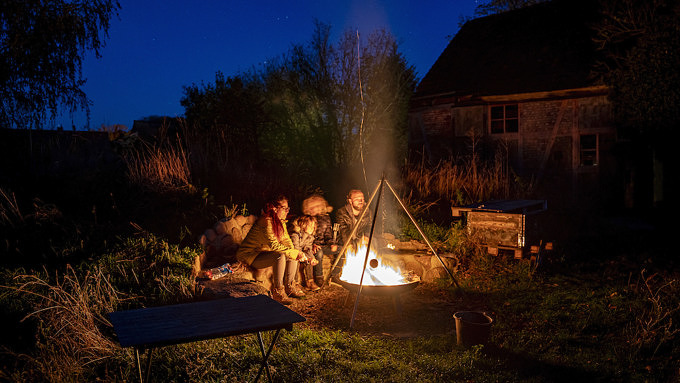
464	180
10	214
69	311
73	338
163	167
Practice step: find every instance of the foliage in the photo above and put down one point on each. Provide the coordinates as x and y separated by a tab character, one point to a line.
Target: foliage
74	336
433	232
640	43
70	311
305	111
43	44
151	269
224	121
36	234
497	6
654	328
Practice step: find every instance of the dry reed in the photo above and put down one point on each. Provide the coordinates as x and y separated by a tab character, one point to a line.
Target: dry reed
161	168
69	312
9	209
462	181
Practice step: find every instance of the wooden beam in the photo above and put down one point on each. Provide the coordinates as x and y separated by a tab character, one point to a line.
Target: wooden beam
551	140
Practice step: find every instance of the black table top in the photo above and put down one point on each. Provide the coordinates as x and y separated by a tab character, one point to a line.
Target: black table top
188	322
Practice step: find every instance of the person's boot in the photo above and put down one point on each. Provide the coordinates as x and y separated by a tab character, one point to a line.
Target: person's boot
294	290
319	281
312	286
279	295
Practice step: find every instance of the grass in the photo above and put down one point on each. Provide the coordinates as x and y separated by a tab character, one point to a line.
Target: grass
549	327
593	312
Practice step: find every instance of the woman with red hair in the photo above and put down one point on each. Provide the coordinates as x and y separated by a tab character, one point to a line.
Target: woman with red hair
269	245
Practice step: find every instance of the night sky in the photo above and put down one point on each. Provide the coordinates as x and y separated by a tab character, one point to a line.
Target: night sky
156	47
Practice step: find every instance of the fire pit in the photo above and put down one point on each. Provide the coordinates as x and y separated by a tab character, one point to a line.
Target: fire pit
374	273
364	271
379	290
379	277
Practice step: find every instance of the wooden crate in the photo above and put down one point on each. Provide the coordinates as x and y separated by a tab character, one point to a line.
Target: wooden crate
497	229
505	225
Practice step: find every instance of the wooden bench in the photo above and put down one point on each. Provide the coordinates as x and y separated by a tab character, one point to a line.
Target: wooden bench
148	328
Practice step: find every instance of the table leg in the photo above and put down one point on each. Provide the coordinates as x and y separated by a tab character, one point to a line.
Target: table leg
149	353
148	363
265	356
139	365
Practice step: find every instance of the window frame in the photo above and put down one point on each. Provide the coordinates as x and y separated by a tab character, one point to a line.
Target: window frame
595	155
504	119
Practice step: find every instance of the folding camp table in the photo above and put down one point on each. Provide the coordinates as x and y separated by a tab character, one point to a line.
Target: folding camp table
148	328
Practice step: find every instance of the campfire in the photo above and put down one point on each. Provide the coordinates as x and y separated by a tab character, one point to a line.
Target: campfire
379	278
377	272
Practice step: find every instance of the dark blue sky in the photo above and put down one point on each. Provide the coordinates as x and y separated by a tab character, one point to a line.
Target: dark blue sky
158	46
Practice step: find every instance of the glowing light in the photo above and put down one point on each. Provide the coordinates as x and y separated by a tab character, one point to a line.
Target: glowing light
373	276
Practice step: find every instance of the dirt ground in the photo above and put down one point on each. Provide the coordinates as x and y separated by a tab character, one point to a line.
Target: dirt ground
422	311
425	310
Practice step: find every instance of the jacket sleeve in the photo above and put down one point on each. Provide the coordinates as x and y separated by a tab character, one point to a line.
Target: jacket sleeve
295	238
324	231
328	233
285	245
345	222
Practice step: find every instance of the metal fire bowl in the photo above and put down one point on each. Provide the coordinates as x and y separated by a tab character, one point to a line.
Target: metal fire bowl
383	290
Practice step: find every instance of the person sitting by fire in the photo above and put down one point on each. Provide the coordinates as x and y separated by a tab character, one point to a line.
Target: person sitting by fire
268	244
348	216
302	235
325	240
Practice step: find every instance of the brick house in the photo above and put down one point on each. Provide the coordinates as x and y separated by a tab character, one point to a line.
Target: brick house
520	82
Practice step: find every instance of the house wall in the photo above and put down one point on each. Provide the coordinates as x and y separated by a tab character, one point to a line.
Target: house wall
548	134
431	132
546	148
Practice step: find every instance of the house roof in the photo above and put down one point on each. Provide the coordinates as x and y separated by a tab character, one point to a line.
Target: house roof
543	47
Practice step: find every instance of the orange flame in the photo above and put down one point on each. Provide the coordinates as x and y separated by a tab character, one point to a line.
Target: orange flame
374	276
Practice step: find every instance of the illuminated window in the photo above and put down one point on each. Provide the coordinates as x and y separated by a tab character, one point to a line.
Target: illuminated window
504	119
588	149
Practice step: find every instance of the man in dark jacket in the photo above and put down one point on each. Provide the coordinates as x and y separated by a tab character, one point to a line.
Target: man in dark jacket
348	215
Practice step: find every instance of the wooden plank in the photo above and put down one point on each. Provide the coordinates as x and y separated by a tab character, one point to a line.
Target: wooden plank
505	206
188	322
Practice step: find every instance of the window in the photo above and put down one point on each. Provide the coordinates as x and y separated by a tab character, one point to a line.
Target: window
504	119
588	149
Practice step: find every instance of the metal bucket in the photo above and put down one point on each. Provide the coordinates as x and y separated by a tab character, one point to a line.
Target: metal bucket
472	327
